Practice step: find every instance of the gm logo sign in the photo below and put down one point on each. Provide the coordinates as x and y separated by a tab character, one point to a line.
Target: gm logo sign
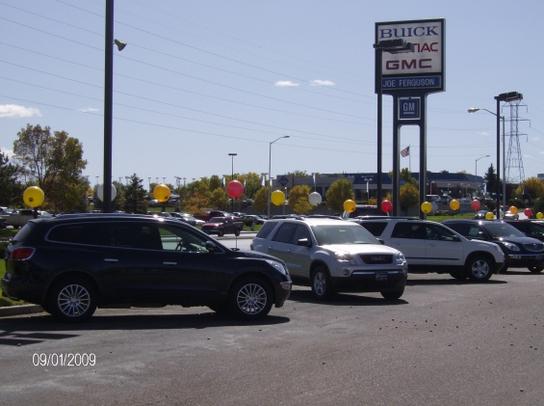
409	108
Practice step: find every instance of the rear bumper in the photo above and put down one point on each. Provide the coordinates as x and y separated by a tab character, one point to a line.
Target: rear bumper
22	287
368	281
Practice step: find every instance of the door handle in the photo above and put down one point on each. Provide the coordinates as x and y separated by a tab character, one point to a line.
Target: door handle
169	263
111	260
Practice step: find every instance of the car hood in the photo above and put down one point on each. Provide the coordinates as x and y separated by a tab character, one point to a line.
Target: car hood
360	248
520	240
256	255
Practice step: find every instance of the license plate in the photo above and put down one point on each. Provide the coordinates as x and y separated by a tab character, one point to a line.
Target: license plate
381	276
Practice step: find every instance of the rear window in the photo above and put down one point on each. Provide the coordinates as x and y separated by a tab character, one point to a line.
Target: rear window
375	228
265	230
85	233
24	232
135	235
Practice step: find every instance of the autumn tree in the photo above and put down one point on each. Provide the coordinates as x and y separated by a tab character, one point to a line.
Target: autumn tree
339	191
55	163
298	199
260	200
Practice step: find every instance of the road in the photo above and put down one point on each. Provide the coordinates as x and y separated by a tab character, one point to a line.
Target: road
444	343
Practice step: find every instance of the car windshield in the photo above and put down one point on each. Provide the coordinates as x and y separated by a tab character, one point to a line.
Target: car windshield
342	234
501	230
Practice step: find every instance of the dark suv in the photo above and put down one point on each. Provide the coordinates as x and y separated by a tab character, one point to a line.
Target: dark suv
71	264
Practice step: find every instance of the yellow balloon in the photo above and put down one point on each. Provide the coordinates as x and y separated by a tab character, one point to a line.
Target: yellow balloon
426	207
349	206
454	204
513	209
277	197
540	215
33	196
489	215
161	192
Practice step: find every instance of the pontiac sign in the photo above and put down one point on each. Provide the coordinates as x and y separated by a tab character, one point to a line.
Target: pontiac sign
420	69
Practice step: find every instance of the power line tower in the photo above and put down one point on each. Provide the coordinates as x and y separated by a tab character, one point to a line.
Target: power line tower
515	172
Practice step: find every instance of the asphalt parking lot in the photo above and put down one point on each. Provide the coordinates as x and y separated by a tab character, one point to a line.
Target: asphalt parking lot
445	342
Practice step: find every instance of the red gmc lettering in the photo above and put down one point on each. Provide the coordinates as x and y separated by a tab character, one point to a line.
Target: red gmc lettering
425	63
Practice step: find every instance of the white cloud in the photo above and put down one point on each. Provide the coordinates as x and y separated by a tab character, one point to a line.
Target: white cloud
322	82
16	111
286	83
88	110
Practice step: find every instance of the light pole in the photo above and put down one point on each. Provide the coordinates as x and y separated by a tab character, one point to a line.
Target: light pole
476	163
232	155
270	172
504	97
393	46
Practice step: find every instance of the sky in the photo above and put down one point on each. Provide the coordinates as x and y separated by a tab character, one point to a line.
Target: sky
201	79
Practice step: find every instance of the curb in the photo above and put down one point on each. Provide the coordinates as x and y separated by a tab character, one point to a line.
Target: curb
6	311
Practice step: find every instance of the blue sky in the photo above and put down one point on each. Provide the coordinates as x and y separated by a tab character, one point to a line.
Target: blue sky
200	79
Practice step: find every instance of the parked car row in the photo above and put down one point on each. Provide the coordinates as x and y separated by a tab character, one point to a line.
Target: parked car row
72	264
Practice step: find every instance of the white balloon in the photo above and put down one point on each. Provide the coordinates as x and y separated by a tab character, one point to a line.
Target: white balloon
100	192
315	199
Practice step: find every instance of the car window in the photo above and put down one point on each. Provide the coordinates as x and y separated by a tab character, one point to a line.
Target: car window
535	230
181	240
285	233
376	228
461	228
475	231
265	230
301	231
409	230
135	235
83	233
438	232
343	234
502	230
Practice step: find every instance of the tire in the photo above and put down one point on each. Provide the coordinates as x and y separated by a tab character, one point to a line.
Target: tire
536	268
251	298
72	300
321	283
390	295
479	268
460	275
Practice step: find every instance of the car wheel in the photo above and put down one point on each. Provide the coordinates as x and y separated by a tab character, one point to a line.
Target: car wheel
251	298
536	268
479	268
460	275
392	294
72	300
321	283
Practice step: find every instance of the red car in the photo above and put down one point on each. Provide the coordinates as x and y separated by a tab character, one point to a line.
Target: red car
222	226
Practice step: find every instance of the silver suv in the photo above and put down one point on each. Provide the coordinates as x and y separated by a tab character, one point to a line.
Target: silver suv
333	255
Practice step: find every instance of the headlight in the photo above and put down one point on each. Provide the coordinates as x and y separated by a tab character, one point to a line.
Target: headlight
399	259
278	265
345	258
510	246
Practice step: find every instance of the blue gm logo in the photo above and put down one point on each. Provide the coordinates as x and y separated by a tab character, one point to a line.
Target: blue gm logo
409	108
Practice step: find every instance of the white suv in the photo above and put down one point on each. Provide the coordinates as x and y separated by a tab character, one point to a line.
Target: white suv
434	247
333	255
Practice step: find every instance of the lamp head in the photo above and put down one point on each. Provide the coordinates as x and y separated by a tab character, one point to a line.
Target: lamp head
473	109
120	44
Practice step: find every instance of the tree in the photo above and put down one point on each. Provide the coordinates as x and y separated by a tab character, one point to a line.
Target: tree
408	195
298	199
339	191
215	182
219	199
530	189
260	200
55	163
406	176
252	183
135	196
11	190
491	180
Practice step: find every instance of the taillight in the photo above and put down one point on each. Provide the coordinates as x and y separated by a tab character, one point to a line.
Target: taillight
22	254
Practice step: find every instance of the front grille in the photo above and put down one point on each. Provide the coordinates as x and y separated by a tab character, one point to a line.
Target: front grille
534	247
377	258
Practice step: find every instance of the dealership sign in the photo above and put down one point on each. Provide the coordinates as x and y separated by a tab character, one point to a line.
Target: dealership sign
420	69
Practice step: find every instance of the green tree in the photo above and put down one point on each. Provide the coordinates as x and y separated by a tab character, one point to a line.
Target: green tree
215	182
135	196
260	200
11	190
339	191
197	196
408	195
219	199
298	199
406	176
252	183
491	180
54	162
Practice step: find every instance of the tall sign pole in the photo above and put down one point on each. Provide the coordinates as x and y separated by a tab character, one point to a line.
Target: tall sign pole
411	66
108	106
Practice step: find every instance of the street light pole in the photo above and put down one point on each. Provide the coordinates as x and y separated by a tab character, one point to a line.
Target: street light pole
108	107
476	163
269	194
232	155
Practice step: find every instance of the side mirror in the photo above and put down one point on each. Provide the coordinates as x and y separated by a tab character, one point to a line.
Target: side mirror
211	247
304	242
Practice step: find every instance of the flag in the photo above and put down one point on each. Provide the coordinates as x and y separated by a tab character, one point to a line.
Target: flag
405	152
